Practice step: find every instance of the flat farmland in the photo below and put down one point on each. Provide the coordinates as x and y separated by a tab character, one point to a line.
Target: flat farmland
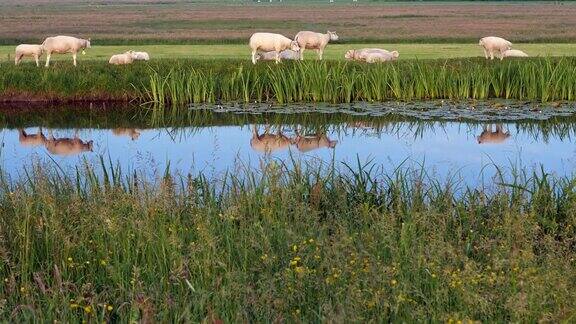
169	21
333	52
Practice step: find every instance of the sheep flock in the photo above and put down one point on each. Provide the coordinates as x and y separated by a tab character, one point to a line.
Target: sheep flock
264	47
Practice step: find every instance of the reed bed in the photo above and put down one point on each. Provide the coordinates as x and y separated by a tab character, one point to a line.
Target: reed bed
285	243
181	82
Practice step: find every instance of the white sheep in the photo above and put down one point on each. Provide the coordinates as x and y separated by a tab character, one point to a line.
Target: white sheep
124	58
141	56
361	54
64	44
375	57
28	50
315	41
492	44
266	42
284	55
515	53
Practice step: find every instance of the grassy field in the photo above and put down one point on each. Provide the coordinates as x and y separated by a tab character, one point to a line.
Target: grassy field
333	51
286	246
233	21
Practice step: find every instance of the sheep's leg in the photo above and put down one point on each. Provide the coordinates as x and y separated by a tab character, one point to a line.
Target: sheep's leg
17	59
37	60
253	57
302	53
320	53
74	58
491	54
485	53
277	57
48	59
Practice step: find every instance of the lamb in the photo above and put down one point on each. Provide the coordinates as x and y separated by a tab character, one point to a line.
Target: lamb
266	42
124	58
515	53
374	54
23	50
141	56
316	41
285	55
64	44
493	45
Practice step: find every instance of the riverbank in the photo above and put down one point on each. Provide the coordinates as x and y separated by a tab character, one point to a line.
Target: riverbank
293	245
184	81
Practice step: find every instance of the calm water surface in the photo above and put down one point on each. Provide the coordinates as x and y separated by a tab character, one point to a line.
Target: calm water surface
469	150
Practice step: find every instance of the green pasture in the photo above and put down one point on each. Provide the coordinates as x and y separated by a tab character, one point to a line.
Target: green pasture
333	51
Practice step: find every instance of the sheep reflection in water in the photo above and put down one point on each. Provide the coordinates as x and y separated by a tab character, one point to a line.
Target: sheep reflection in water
57	146
268	143
133	133
493	136
310	143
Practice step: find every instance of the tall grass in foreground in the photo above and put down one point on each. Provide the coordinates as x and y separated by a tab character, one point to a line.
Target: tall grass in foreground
286	244
186	81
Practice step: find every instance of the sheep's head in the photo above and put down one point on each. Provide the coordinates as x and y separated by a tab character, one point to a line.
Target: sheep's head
87	45
481	42
333	36
350	54
294	46
132	54
395	54
258	56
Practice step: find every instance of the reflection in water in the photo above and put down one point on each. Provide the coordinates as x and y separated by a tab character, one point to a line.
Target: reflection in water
490	136
67	146
309	143
133	133
216	143
31	140
268	143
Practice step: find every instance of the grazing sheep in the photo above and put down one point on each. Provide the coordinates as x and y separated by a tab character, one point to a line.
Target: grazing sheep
284	55
315	41
494	45
141	56
64	44
266	42
28	50
515	53
375	54
124	58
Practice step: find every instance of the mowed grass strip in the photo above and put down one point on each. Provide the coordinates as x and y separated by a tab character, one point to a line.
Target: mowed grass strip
333	51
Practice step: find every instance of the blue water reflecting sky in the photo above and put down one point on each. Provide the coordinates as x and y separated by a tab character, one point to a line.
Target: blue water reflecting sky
445	148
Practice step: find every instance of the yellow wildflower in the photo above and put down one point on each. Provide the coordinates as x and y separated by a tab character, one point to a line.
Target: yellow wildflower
393	282
88	309
109	308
